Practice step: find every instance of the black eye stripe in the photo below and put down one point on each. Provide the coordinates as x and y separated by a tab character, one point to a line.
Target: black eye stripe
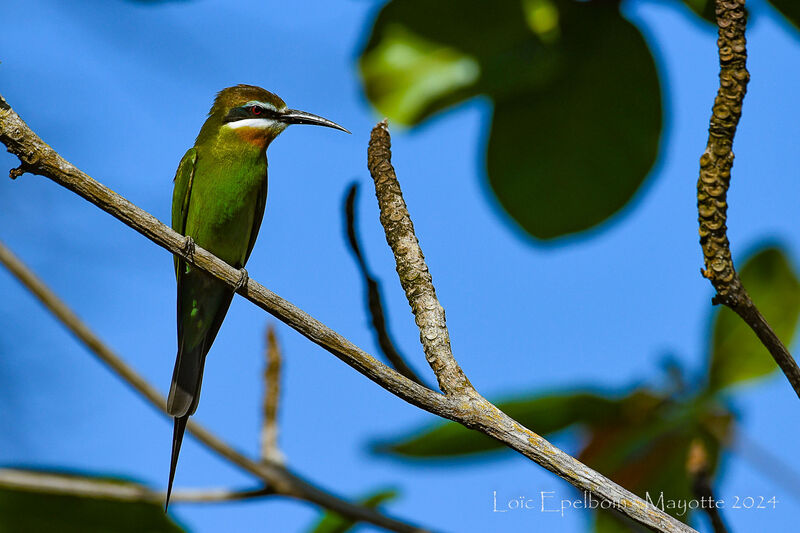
247	111
267	113
237	113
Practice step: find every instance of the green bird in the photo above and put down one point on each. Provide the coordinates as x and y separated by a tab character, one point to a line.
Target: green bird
218	203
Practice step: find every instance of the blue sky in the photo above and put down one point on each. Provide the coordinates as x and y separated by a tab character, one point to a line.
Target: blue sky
121	90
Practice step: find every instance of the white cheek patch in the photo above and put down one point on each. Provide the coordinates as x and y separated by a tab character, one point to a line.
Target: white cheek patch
259	123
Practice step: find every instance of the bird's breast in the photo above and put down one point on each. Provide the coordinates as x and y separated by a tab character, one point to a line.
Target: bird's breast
223	206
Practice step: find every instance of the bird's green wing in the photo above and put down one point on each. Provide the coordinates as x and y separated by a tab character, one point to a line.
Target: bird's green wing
180	195
258	216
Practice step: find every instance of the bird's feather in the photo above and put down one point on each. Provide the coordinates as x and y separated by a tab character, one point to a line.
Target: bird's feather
261	203
184	177
221	208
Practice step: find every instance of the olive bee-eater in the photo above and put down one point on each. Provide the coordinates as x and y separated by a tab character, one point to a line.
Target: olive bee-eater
218	203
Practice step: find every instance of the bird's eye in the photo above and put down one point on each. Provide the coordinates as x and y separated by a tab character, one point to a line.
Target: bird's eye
256	110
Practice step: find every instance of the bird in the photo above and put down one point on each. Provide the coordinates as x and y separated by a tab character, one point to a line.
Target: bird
218	201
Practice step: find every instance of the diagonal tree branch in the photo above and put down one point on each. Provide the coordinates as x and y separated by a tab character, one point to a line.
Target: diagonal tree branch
373	289
38	158
712	186
47	483
464	405
280	479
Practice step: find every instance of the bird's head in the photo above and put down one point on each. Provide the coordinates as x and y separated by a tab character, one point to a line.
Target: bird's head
254	115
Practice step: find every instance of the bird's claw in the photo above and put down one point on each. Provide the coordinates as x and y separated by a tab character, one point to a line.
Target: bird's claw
188	247
244	277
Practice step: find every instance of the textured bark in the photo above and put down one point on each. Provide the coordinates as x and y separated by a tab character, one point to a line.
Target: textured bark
715	175
471	409
461	403
411	267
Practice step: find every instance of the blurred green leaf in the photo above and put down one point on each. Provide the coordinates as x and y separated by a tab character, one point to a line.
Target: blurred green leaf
23	510
736	353
647	450
569	156
406	74
542	414
577	101
640	440
705	8
415	64
789	9
335	523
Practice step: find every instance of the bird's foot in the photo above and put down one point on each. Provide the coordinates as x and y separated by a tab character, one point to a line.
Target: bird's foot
244	277
188	247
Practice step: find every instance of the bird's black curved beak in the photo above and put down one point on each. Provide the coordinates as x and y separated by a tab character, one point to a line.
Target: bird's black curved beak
295	116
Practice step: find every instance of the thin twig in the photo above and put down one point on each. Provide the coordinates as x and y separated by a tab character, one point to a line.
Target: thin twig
411	268
715	174
270	451
468	409
71	485
280	479
698	468
373	290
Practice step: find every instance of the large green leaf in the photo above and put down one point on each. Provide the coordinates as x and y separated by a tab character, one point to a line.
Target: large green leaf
543	414
406	75
577	104
790	9
331	522
567	157
415	65
736	353
51	508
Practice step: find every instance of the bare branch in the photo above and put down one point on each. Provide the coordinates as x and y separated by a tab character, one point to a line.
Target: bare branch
411	268
280	479
470	408
270	451
715	174
467	407
373	289
29	481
